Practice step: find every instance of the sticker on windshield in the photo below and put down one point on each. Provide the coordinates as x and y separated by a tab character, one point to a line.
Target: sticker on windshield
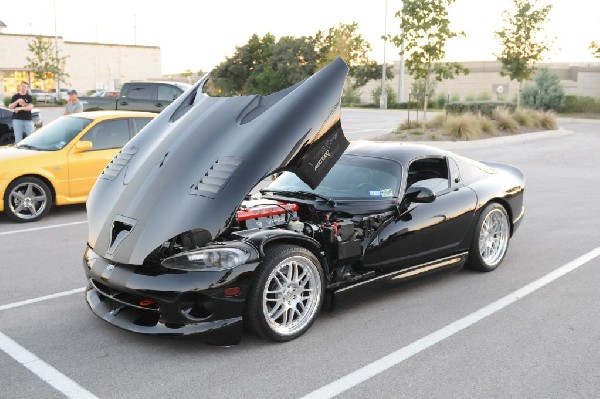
375	193
386	192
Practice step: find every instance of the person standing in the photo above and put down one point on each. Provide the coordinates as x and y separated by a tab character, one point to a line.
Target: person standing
21	104
74	105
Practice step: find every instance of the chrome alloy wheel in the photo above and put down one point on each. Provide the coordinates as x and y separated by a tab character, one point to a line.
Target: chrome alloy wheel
493	237
291	295
27	200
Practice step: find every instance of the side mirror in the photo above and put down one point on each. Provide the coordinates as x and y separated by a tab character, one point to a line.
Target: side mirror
419	195
82	146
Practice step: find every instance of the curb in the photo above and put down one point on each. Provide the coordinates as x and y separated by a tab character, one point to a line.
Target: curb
513	139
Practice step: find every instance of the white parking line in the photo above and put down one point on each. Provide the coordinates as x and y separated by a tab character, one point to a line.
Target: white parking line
49	374
379	366
41	298
52	226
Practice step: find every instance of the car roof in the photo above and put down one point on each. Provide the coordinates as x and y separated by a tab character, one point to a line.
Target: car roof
112	114
397	151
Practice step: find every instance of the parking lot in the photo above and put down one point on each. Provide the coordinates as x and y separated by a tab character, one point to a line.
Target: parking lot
464	334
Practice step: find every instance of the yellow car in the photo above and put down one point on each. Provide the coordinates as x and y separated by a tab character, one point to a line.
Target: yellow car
59	163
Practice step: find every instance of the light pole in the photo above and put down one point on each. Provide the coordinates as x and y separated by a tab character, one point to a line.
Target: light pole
401	74
383	98
56	55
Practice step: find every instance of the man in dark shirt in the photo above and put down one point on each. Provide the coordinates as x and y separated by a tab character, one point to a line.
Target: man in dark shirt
22	104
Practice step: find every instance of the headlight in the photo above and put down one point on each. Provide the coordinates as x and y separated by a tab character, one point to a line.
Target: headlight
211	259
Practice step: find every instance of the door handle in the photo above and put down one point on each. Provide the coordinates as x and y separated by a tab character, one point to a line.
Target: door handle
124	103
158	104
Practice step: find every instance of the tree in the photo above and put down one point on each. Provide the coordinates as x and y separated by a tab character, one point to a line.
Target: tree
595	47
231	75
45	62
345	41
547	93
425	30
342	41
265	65
522	45
291	60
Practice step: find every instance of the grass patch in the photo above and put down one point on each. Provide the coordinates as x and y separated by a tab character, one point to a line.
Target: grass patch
504	120
464	126
416	132
548	120
407	125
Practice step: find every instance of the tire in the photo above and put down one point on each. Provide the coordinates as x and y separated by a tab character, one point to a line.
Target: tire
27	199
6	135
490	239
286	293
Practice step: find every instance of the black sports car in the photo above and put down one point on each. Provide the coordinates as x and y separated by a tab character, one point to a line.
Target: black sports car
177	246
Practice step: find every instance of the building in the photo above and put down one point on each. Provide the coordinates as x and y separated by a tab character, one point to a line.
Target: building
484	79
91	66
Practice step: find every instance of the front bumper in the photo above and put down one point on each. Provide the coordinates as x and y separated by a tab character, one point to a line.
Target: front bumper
161	301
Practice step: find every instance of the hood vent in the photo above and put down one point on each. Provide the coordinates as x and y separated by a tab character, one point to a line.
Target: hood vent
213	181
118	163
121	228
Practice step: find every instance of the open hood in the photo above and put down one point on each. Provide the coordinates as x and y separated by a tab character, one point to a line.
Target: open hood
192	166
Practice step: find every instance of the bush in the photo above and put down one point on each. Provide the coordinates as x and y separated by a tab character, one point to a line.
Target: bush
576	104
486	125
60	102
525	117
484	96
391	96
546	94
6	101
437	121
504	120
463	126
548	120
350	96
484	107
441	101
407	125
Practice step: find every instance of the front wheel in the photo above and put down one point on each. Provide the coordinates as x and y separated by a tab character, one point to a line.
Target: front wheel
286	294
27	199
491	238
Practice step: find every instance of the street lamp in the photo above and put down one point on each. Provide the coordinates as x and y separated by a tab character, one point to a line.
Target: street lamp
56	54
383	98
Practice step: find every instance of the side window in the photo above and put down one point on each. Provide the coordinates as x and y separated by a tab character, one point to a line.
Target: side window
142	92
108	134
454	172
429	172
168	93
139	124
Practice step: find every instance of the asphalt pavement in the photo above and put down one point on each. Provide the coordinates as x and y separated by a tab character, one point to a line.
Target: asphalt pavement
541	345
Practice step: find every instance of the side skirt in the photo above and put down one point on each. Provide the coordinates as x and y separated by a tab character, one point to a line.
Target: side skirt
447	263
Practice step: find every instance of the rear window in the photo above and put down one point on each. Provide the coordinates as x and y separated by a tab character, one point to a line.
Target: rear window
142	92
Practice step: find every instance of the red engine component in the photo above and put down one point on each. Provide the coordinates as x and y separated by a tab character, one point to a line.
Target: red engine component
266	210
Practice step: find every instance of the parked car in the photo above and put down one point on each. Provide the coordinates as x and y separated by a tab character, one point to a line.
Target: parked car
174	246
59	163
138	96
106	93
64	94
7	135
41	96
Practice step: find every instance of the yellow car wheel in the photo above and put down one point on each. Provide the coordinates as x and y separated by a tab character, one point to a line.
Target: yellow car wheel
27	199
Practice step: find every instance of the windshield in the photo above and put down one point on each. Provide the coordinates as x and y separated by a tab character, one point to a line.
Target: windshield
351	177
55	135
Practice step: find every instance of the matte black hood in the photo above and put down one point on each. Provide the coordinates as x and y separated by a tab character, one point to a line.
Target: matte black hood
192	166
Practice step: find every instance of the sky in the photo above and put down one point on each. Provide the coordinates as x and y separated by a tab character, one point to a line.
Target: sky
197	35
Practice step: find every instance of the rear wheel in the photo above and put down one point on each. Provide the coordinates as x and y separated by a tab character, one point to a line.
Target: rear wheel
27	199
286	294
491	238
